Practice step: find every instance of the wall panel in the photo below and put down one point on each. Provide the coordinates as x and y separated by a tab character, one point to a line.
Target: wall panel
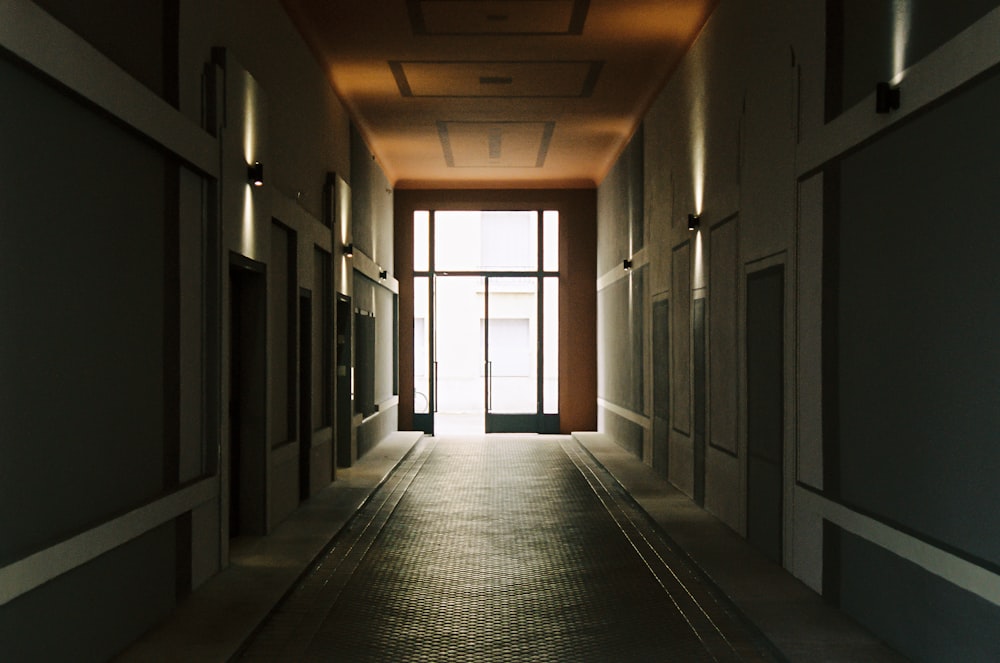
371	205
193	273
88	614
621	331
82	342
620	208
916	311
681	347
809	452
661	385
916	612
723	329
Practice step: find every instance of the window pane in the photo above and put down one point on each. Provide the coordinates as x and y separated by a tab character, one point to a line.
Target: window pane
550	340
510	241
457	237
458	309
551	240
474	241
510	345
421	345
421	241
513	345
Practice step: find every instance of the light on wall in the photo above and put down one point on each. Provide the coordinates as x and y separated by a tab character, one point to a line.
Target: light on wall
627	264
348	250
694	221
255	173
383	274
886	98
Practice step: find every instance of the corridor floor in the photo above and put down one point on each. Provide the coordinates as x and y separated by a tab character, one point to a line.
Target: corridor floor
512	548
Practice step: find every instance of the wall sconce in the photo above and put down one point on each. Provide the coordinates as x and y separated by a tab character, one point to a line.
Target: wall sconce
383	274
886	98
255	173
348	250
694	221
627	264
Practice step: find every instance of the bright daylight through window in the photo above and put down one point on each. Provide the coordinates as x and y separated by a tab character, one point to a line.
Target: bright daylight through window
486	321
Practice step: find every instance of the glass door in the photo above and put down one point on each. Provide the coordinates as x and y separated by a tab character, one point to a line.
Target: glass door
510	337
460	364
485	326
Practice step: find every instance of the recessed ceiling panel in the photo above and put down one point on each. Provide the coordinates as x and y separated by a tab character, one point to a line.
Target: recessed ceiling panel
465	93
496	79
498	17
495	144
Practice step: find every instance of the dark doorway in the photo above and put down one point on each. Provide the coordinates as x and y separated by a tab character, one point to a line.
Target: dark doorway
765	409
344	414
247	398
305	394
699	401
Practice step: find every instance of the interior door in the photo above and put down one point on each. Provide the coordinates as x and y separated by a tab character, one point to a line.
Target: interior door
513	355
765	409
248	398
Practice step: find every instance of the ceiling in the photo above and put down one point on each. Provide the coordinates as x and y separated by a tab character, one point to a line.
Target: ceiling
498	93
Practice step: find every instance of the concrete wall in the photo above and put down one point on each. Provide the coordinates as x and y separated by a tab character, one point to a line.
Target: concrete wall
768	130
375	291
127	203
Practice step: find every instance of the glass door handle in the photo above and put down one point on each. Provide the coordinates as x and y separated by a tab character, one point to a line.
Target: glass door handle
434	394
489	386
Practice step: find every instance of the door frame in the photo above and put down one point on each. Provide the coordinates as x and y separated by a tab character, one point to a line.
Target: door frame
537	422
524	422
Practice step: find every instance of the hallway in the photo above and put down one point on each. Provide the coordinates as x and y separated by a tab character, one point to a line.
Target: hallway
773	329
520	548
502	549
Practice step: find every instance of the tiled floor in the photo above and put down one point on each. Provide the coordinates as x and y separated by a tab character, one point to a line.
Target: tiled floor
503	549
519	548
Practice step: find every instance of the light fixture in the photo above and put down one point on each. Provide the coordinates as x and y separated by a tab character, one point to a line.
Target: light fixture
694	221
348	250
383	274
255	173
627	264
886	98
